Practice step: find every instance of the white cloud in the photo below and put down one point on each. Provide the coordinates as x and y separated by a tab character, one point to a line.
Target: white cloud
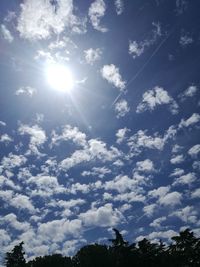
45	185
146	166
95	150
97	172
105	216
187	214
119	5
177	159
92	55
194	151
121	135
6	34
157	222
112	75
156	236
37	137
22	202
121	183
186	179
136	49
155	97
149	209
27	90
13	161
177	172
196	193
189	92
96	11
185	40
141	140
70	133
122	108
58	230
195	118
159	192
5	138
12	221
171	199
41	24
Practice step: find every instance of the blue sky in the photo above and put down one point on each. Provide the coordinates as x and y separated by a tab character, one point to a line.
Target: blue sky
120	148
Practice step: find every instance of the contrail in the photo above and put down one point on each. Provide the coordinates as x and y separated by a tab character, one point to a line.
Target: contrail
145	64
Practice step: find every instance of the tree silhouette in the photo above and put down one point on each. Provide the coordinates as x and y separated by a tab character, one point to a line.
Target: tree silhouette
15	258
184	251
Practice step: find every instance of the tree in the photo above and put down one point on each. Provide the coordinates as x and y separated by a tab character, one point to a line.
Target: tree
15	258
186	249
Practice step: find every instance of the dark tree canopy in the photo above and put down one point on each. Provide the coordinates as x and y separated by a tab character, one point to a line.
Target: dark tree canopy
184	251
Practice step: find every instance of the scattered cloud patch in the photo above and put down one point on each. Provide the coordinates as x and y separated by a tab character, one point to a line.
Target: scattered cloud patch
105	216
194	151
155	97
195	118
189	92
112	75
185	40
92	55
177	159
96	11
122	108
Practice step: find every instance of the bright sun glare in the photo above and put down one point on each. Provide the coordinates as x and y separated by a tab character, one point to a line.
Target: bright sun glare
59	77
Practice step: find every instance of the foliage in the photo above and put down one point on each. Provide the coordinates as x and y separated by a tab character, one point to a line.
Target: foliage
184	251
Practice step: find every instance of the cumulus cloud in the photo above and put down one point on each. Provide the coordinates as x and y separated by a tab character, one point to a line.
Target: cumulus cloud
6	34
96	11
119	5
177	159
189	92
112	75
122	108
185	179
177	172
44	185
92	55
97	172
195	118
37	137
11	221
171	199
146	166
22	202
95	150
5	138
47	20
195	193
58	230
187	214
104	216
194	151
157	222
70	133
141	140
155	97
121	135
13	161
27	90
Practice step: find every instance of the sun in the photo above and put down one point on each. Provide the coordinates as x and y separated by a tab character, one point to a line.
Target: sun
59	77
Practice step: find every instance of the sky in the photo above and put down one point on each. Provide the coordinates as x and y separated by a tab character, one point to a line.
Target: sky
110	136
